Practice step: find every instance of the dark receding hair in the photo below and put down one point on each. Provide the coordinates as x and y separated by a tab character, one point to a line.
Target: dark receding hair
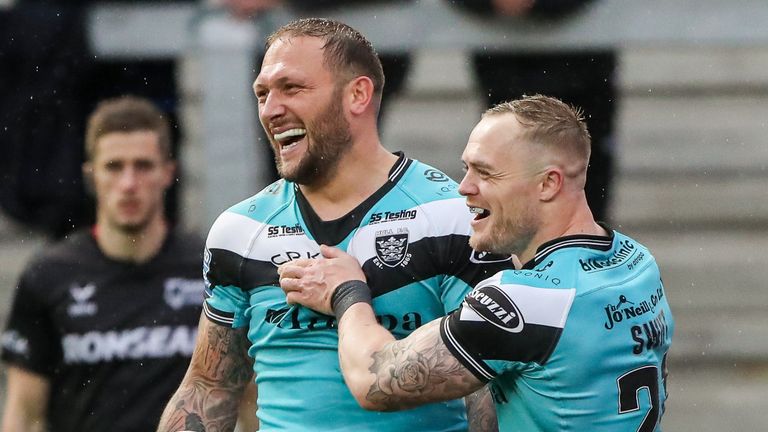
346	51
126	114
551	123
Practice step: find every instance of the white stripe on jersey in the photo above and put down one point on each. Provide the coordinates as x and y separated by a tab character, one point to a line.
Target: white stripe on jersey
237	233
228	229
599	243
433	219
543	306
398	169
215	317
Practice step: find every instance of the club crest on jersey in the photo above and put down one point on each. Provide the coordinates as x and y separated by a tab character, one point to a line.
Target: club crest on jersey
82	294
392	248
495	306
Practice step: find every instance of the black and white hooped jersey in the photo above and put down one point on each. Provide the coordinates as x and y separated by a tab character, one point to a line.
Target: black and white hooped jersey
411	238
576	340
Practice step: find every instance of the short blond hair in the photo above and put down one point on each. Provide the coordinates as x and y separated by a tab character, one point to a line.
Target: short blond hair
549	122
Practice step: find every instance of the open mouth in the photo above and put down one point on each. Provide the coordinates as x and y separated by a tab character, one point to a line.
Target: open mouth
480	213
289	138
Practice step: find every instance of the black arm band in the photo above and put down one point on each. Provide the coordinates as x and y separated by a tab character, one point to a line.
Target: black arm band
347	294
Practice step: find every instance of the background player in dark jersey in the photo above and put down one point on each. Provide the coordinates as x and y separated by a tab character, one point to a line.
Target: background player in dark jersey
319	92
103	323
576	338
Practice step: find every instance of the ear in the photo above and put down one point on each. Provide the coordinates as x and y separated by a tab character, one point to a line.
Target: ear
169	168
360	94
551	183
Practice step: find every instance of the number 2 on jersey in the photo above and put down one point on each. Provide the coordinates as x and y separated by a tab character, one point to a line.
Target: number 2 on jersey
630	385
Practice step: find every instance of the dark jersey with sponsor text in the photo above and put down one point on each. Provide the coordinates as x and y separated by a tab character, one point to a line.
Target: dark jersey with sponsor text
113	338
574	341
411	238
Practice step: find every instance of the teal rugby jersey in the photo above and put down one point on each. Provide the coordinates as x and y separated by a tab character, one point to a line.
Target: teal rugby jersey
411	238
574	341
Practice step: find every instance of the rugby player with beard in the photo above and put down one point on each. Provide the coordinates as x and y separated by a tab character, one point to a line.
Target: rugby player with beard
319	93
574	338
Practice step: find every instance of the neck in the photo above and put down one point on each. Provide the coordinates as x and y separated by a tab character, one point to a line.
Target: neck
579	221
137	247
360	173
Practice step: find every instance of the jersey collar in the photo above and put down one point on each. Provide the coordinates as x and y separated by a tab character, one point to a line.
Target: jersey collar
603	243
335	231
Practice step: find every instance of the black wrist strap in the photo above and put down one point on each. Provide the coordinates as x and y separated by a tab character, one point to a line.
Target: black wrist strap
347	294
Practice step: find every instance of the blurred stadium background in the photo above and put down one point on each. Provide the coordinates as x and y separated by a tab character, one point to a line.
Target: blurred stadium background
692	180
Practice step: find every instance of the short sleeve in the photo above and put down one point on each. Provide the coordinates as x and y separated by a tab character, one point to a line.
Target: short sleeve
499	325
224	303
30	339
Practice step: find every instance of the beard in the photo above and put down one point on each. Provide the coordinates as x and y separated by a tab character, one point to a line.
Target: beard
508	236
330	139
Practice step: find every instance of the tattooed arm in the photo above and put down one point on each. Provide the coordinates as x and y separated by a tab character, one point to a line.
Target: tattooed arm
385	374
209	395
481	412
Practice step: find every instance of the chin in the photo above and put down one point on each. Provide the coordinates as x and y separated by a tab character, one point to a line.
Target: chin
131	225
477	243
485	244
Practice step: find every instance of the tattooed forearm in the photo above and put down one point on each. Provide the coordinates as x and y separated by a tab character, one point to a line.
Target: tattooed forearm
209	396
481	411
225	356
417	370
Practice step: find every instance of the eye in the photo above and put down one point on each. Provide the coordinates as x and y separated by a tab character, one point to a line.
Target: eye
291	88
113	166
482	173
144	165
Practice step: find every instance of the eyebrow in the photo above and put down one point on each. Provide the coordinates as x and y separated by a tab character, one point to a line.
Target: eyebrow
277	82
479	164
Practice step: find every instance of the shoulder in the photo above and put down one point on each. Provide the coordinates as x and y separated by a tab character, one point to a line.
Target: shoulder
265	203
433	192
75	247
624	241
545	298
258	208
624	259
183	244
426	183
186	239
234	228
60	259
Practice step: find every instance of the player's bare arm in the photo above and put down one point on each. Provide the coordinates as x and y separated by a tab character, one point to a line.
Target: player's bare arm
481	411
26	401
208	398
383	374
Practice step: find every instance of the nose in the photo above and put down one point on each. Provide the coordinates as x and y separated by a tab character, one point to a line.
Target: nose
467	186
271	108
129	179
